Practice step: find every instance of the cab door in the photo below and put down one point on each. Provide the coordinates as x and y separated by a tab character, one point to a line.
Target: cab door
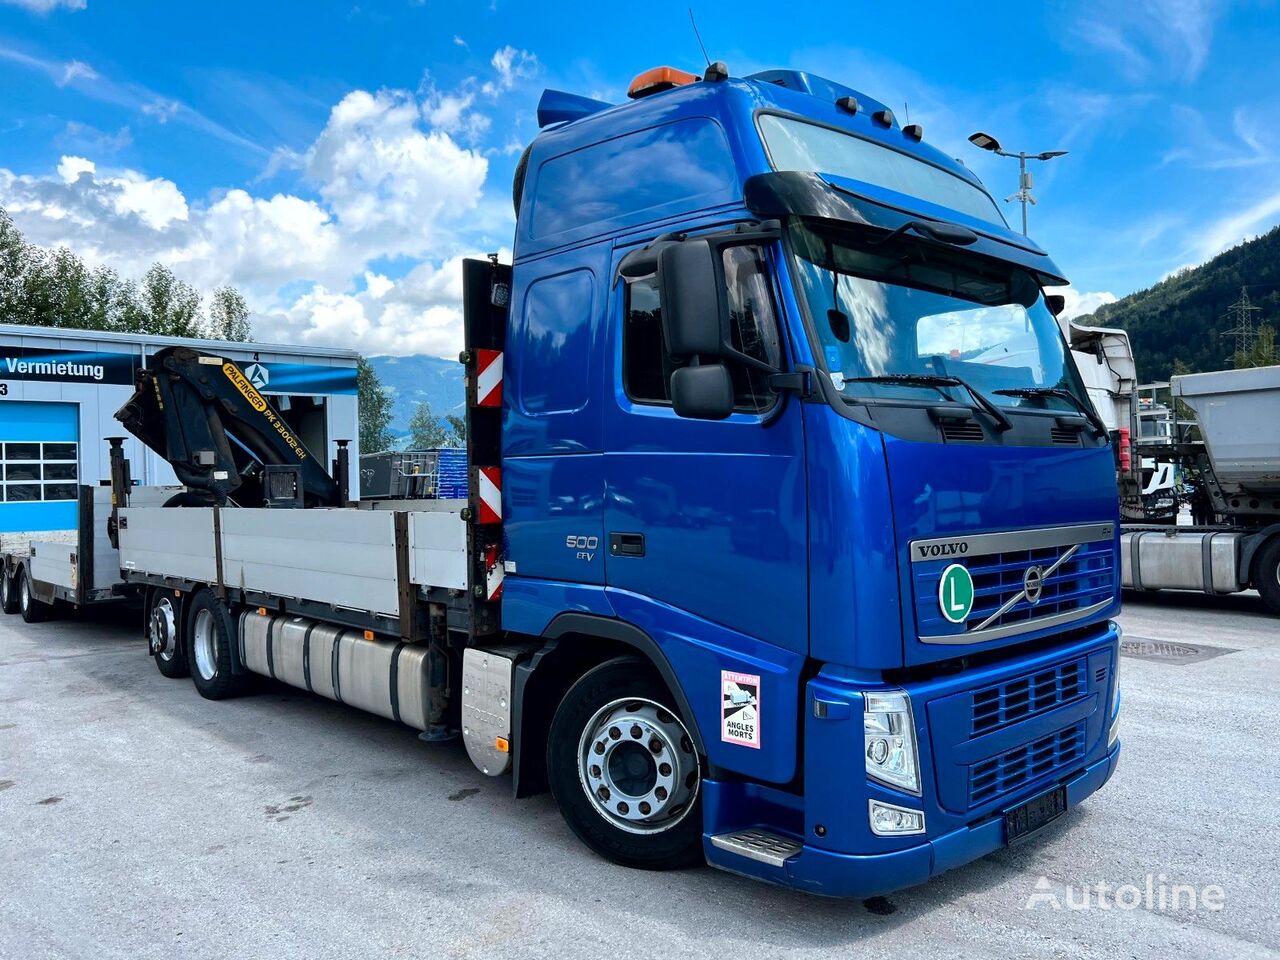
708	517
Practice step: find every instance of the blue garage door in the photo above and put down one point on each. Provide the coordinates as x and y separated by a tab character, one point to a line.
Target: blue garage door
39	466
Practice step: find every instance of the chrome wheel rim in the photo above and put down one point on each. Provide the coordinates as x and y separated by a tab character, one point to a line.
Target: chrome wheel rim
637	766
164	630
6	588
204	643
24	595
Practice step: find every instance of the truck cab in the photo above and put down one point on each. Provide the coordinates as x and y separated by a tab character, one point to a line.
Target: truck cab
788	416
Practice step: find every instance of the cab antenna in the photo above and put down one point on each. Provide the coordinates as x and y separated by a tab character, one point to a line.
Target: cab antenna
699	36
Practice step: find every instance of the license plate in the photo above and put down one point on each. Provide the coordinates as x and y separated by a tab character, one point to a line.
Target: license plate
1034	814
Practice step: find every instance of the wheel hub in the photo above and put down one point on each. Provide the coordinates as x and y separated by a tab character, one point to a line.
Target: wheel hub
164	629
24	595
638	766
205	644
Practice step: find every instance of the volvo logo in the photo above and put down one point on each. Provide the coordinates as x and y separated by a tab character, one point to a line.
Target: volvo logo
1033	584
931	551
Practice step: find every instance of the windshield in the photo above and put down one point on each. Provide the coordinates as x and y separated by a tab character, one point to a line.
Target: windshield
797	145
906	307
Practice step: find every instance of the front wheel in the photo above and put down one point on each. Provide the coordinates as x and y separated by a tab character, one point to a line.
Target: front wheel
624	771
208	641
1266	576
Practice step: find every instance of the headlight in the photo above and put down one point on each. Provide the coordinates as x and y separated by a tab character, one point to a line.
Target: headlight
890	740
889	820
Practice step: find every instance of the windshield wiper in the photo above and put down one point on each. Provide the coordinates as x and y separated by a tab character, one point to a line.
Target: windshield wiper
938	381
1040	393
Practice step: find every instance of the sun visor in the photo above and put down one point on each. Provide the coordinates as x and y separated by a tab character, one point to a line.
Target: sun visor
804	194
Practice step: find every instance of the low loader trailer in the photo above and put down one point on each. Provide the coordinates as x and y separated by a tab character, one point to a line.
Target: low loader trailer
791	539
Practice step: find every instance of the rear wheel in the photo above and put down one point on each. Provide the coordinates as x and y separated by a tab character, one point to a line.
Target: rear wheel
1266	573
208	641
8	593
32	609
164	634
624	771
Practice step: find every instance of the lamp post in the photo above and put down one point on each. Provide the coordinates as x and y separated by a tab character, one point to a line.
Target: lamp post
984	141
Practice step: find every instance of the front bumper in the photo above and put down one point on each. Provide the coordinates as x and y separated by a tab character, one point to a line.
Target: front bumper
833	853
831	874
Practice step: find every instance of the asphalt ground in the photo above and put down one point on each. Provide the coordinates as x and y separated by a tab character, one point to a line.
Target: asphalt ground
139	820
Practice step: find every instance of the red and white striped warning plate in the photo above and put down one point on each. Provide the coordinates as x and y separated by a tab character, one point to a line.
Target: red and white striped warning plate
494	573
490	494
489	378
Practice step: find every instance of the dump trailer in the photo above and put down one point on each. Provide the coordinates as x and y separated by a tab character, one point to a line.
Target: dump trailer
790	542
1235	542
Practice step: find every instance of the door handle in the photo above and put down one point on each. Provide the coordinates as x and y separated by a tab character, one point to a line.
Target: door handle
626	544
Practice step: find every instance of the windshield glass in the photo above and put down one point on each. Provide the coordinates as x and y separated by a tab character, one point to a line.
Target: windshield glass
796	145
906	307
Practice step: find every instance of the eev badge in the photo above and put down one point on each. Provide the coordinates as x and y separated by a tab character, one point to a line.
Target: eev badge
740	708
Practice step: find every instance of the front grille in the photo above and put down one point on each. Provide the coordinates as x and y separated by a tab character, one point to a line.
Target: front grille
1085	579
1023	765
1088	577
1065	436
997	706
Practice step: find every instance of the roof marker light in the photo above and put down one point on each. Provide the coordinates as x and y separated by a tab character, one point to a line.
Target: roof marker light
657	80
716	72
883	117
848	104
914	131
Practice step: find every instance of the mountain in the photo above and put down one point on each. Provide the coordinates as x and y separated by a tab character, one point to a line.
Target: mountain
1184	316
415	378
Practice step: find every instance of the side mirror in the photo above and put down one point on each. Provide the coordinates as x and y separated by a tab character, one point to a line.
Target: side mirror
692	299
704	392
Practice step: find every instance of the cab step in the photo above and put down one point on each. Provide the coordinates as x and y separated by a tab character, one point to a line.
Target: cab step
761	845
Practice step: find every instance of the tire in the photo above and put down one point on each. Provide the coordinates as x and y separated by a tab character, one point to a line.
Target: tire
517	181
33	610
208	641
635	814
165	636
8	593
1266	574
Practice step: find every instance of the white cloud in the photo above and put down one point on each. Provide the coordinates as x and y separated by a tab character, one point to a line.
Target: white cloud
1148	37
46	6
1254	219
511	66
1081	303
161	109
391	183
76	70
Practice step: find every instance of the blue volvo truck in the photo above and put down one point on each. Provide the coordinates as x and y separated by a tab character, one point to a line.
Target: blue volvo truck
791	542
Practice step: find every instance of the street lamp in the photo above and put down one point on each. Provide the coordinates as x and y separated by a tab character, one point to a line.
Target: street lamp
984	141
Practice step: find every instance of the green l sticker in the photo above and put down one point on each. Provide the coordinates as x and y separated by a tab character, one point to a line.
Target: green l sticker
955	593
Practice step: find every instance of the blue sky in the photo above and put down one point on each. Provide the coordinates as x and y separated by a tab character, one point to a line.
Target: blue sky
334	160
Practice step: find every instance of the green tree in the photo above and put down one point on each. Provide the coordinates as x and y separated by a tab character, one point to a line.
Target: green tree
426	432
375	409
457	431
229	315
1263	353
171	306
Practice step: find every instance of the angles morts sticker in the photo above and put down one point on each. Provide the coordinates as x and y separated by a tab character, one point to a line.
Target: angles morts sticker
740	708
